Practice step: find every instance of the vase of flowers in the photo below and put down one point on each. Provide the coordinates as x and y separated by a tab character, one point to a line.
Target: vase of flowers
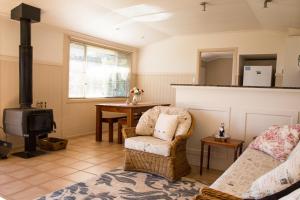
137	95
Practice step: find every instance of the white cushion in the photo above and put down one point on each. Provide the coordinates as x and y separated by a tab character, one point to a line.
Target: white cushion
277	179
165	127
149	144
148	120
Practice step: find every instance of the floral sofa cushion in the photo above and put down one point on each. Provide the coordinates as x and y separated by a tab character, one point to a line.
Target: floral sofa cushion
277	141
238	178
278	179
148	120
149	144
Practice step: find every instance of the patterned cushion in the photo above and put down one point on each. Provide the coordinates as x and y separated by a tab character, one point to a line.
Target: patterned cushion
237	179
149	144
277	179
277	141
148	120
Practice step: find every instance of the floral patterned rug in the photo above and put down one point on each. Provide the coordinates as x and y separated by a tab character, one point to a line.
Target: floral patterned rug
119	184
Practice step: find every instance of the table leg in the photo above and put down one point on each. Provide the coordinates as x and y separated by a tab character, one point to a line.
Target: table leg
201	157
98	124
235	153
120	136
130	118
110	130
208	156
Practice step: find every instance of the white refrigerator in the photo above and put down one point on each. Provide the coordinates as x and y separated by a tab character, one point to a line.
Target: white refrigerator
257	76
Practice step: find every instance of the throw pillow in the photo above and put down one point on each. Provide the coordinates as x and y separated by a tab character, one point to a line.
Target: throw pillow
277	141
147	122
278	179
165	127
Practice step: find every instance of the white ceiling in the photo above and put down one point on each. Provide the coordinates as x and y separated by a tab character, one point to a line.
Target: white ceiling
133	22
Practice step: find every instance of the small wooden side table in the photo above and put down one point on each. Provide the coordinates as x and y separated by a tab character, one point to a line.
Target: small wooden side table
236	145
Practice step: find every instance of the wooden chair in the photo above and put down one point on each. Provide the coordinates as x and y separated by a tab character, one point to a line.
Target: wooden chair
123	122
112	118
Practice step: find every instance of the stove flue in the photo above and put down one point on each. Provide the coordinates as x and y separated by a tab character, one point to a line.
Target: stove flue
26	121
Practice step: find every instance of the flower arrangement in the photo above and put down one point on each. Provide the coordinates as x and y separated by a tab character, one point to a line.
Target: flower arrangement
136	91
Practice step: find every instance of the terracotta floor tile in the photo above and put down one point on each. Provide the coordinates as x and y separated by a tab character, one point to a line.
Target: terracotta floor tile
97	169
66	161
20	174
6	179
83	159
39	179
46	166
97	160
10	168
56	184
80	165
61	171
29	194
13	187
30	162
50	157
79	176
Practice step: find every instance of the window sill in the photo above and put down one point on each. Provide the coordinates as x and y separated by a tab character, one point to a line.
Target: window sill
96	100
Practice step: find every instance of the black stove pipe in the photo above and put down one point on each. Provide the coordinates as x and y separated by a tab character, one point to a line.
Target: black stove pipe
25	65
26	14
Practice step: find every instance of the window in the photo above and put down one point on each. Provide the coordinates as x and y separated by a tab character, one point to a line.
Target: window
96	72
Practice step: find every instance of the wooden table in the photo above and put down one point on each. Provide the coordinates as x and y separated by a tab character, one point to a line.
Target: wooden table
236	145
129	109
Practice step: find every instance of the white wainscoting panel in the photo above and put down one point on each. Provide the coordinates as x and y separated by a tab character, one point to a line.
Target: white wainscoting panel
158	88
246	112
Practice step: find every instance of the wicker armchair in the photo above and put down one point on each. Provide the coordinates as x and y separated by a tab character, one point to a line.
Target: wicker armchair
211	194
172	167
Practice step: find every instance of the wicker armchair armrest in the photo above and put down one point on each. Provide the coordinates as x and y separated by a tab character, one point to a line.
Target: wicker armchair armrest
128	132
178	139
215	194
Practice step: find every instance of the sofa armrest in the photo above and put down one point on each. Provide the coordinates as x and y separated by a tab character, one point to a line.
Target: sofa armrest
215	194
128	132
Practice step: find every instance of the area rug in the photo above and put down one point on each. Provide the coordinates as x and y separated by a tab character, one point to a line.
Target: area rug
119	184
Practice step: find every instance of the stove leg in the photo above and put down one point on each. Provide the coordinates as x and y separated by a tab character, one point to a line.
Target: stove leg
30	143
30	148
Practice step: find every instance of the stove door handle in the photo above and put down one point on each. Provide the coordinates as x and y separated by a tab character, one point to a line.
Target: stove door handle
54	126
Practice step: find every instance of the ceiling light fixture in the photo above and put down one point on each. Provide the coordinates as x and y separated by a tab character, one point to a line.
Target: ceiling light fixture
203	4
266	3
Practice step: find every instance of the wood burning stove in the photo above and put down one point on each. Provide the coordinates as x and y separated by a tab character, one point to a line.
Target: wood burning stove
26	121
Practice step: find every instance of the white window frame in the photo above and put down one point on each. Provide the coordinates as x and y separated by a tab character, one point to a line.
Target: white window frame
115	47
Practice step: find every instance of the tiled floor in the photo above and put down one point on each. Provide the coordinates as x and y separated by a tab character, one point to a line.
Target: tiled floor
84	158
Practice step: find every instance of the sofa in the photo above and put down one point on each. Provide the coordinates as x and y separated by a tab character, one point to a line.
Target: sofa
238	179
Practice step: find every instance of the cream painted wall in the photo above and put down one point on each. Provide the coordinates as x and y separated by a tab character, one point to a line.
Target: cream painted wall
218	72
50	76
292	76
178	56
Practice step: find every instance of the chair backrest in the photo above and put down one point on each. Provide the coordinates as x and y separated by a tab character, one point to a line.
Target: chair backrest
148	120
